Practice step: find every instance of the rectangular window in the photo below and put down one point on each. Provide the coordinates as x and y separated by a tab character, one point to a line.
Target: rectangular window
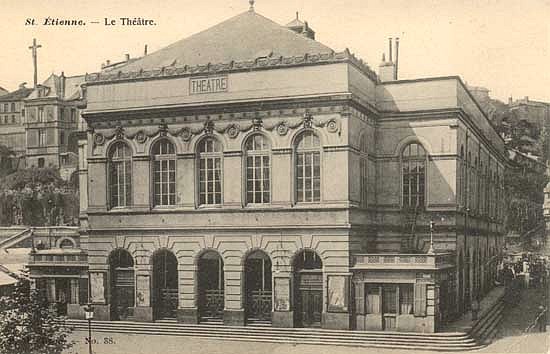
62	138
389	299
40	114
41	137
258	179
420	299
165	182
373	299
406	299
73	115
210	180
308	177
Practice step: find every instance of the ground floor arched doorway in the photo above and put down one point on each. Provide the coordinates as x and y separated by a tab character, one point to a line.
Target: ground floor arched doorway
210	287
122	284
165	284
258	294
308	294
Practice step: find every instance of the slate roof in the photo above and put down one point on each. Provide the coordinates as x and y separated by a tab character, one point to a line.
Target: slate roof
16	95
72	87
246	36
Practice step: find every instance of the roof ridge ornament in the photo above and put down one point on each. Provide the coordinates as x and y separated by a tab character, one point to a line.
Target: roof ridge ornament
251	2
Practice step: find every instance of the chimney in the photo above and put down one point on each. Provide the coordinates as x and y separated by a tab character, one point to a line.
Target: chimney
127	57
526	98
510	100
145	51
107	62
390	42
396	58
386	70
62	85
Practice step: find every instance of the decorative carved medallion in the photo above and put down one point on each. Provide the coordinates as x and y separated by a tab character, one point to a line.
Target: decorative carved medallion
232	131
282	129
141	137
185	134
332	126
99	139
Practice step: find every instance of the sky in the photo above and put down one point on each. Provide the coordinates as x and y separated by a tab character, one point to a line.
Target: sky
503	45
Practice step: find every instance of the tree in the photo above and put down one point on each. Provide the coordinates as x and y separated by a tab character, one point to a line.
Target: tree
6	160
28	325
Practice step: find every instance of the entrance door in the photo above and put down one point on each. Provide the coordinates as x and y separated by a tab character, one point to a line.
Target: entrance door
310	300
389	307
165	284
211	287
122	286
258	287
308	295
62	295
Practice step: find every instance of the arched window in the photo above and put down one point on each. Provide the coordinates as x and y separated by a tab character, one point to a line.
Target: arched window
164	173
413	165
120	175
66	243
210	172
364	171
258	169
308	168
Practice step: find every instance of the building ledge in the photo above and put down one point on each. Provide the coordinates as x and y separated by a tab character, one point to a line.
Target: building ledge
403	261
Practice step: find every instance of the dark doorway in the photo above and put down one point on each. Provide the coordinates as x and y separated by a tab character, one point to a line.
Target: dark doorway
258	287
211	287
165	284
62	295
122	285
308	295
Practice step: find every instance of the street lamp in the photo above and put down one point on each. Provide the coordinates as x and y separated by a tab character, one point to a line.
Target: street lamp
89	311
431	250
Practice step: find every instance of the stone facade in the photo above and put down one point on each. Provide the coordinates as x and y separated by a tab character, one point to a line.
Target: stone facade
360	251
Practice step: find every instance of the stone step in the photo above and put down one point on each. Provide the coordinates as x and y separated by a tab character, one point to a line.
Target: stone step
321	341
442	337
489	321
382	340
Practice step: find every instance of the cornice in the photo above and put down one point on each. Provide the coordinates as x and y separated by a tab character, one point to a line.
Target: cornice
232	66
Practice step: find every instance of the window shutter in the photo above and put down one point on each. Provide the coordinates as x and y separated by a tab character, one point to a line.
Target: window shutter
420	299
360	298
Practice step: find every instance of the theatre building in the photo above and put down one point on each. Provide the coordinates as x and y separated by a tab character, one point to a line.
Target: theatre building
250	174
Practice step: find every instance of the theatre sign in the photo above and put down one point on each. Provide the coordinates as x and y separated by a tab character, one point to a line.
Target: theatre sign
207	85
